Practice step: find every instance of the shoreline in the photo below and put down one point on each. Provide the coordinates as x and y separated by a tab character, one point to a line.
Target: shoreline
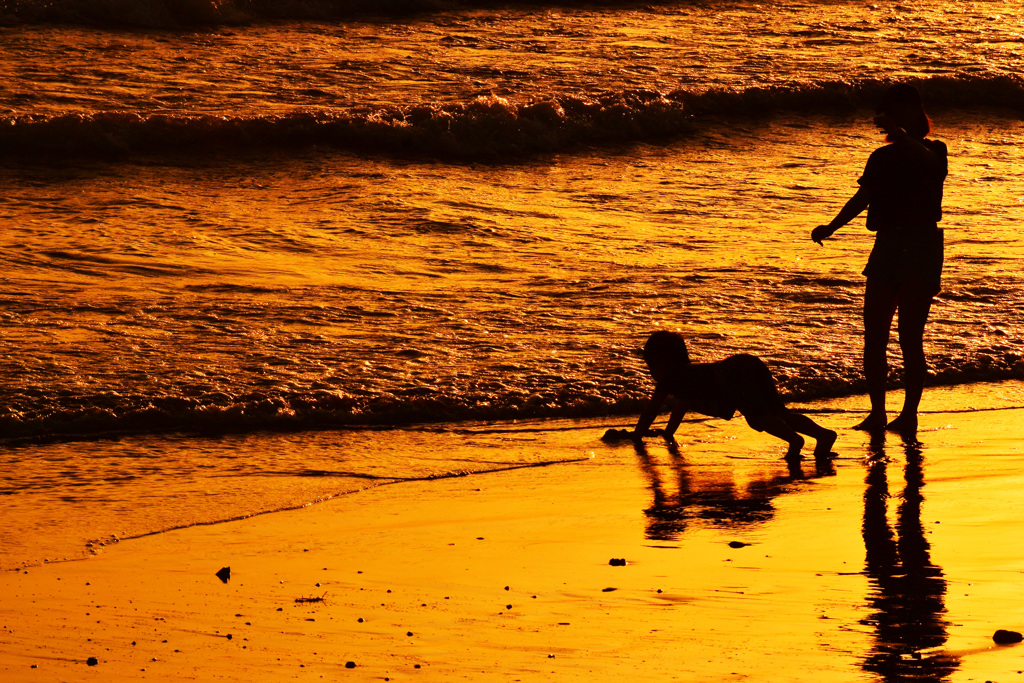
889	560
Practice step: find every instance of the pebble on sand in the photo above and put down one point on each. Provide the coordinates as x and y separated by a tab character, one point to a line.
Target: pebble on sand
1004	637
617	562
350	665
92	661
224	574
738	544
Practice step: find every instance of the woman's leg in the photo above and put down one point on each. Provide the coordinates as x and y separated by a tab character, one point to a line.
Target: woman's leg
914	308
879	308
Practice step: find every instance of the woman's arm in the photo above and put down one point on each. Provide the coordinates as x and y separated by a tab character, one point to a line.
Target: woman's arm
854	206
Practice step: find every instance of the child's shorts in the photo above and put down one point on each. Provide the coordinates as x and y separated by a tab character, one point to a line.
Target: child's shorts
749	386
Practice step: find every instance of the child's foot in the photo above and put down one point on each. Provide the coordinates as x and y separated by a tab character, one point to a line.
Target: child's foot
794	447
875	422
904	425
824	444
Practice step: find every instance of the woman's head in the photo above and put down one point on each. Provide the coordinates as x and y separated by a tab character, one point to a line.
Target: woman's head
902	104
664	352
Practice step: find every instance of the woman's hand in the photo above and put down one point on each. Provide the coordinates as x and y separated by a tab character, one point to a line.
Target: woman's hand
821	233
893	131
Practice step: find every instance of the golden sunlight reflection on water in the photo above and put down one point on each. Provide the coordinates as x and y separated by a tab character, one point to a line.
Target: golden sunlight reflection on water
483	290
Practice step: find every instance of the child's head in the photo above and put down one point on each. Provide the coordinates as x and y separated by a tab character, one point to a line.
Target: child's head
664	352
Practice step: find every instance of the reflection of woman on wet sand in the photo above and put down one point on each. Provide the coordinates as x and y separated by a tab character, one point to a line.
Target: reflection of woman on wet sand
902	190
908	591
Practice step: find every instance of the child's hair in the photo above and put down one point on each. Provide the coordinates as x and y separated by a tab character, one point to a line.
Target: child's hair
665	345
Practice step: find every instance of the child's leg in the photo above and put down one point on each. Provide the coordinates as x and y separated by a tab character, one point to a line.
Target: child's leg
825	438
777	426
757	398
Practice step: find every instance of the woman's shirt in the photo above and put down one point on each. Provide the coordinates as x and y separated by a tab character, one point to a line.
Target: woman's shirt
904	180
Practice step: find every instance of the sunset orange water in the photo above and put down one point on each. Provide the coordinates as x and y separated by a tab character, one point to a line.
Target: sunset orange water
261	255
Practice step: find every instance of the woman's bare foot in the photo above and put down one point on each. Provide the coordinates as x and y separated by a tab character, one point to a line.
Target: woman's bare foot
824	444
875	422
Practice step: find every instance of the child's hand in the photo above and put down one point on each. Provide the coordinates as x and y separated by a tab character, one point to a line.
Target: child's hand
613	435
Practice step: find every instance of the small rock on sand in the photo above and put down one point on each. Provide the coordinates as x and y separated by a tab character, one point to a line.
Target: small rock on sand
1004	637
92	661
224	574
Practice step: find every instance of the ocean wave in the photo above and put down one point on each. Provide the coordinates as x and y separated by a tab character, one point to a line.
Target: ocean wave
488	127
958	91
112	414
169	13
172	14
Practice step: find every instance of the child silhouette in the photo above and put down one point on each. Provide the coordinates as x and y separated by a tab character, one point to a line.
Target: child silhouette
741	383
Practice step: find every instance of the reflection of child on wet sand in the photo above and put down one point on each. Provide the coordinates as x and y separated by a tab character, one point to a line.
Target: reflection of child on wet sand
739	383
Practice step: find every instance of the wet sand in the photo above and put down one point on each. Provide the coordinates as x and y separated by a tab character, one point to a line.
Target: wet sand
891	562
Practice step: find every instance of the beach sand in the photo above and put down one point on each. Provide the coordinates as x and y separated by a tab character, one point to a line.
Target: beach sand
891	562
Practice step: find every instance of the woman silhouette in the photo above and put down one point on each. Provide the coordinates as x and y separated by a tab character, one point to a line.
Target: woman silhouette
902	190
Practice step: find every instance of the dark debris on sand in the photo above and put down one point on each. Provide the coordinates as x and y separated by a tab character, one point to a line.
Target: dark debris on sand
1004	637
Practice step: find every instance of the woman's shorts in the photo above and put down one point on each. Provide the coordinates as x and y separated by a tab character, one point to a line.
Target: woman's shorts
908	257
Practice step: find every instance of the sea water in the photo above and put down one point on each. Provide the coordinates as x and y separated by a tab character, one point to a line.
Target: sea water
254	254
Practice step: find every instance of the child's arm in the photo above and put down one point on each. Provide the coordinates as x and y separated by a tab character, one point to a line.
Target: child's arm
643	425
678	413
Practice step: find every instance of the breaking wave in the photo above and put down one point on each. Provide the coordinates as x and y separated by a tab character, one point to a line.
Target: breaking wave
488	127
